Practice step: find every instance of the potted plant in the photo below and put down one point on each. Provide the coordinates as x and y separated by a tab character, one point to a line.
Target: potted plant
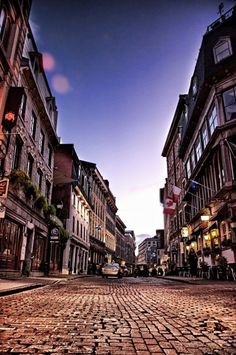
40	202
18	178
31	191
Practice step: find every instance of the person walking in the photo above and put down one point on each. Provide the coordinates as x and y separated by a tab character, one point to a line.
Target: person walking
192	259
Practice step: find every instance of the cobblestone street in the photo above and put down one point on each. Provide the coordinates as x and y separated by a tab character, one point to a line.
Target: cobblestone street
125	316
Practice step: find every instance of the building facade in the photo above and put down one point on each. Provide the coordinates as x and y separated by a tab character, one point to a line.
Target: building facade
28	136
204	216
130	246
151	250
120	241
72	192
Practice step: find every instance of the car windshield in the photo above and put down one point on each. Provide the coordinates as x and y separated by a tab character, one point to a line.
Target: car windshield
112	265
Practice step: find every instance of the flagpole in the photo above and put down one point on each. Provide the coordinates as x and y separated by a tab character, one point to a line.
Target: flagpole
198	183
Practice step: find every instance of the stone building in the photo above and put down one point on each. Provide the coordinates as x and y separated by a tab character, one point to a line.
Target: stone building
27	145
72	193
97	225
110	235
204	217
130	246
120	240
151	250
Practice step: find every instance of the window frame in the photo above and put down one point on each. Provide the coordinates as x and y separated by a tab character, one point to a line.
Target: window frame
33	124
218	55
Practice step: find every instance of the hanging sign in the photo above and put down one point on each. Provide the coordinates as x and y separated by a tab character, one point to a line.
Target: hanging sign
55	233
4	183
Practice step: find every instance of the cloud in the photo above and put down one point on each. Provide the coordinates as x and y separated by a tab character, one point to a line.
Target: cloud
49	62
61	84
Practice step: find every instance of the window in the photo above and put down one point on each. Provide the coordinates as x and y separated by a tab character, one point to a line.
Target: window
3	17
33	124
30	163
198	148
73	224
16	154
39	179
229	98
193	159
212	119
222	50
48	190
5	27
41	142
188	169
23	105
49	156
204	135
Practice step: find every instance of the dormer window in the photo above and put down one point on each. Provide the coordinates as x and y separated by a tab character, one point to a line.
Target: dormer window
222	49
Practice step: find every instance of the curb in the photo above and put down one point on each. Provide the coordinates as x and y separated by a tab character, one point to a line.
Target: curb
19	289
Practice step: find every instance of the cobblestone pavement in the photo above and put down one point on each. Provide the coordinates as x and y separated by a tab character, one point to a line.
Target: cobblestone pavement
126	316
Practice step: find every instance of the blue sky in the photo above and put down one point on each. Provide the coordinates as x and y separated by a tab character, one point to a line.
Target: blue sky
116	68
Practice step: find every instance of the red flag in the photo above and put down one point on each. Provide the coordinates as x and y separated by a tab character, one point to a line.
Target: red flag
169	206
176	193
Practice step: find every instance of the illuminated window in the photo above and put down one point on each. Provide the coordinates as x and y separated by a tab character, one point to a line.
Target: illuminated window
222	50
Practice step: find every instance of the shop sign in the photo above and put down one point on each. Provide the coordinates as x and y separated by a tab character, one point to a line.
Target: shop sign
2	211
4	183
54	237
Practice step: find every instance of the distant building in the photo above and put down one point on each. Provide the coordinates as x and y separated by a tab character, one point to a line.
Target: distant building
151	250
120	240
130	246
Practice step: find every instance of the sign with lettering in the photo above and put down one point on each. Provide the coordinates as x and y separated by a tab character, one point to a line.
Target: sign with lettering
55	233
4	183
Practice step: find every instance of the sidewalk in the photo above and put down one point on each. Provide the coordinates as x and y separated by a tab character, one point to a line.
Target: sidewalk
198	280
11	286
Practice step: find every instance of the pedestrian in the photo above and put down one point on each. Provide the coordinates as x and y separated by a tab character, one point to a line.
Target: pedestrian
192	259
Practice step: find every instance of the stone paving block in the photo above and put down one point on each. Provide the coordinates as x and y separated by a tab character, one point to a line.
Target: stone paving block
170	352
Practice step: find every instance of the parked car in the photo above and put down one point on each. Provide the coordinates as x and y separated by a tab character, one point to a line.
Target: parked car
112	270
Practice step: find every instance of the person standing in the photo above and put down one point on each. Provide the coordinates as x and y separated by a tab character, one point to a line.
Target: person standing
192	259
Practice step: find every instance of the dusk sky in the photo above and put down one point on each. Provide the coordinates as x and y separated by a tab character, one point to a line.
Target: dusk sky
117	68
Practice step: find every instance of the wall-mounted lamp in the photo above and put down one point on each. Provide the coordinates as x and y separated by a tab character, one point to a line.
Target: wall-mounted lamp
205	217
207	236
59	205
184	232
214	232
